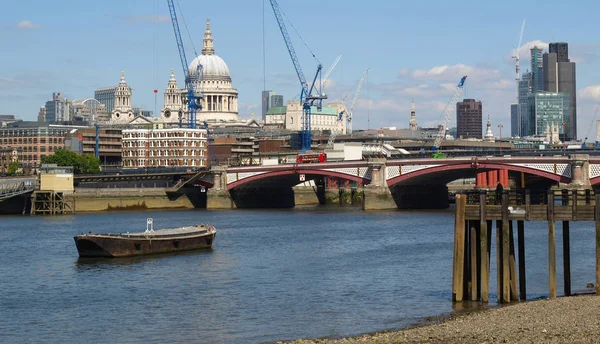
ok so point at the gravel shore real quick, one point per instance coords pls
(564, 320)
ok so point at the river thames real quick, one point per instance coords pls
(272, 275)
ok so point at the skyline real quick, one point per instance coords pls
(418, 57)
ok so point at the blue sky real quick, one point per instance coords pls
(414, 50)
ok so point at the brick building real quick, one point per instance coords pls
(35, 140)
(175, 147)
(469, 119)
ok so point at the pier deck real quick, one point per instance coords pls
(475, 215)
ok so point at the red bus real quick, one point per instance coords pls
(311, 158)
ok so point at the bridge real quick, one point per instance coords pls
(14, 194)
(379, 183)
(403, 182)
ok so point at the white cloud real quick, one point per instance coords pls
(451, 73)
(590, 92)
(27, 25)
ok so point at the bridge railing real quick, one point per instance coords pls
(11, 189)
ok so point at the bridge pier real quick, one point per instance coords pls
(377, 195)
(218, 196)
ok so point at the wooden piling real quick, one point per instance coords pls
(499, 260)
(597, 218)
(485, 251)
(459, 249)
(473, 261)
(551, 246)
(566, 258)
(505, 249)
(521, 243)
(514, 295)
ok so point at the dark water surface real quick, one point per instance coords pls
(272, 275)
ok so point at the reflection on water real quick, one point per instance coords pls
(271, 275)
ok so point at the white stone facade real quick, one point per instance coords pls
(123, 111)
(174, 147)
(325, 119)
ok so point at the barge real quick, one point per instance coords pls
(147, 242)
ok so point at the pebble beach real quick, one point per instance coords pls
(562, 320)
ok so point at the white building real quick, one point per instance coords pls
(290, 117)
(174, 147)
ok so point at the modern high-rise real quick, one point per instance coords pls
(526, 126)
(58, 109)
(537, 70)
(560, 76)
(550, 109)
(469, 119)
(514, 120)
(269, 100)
(106, 96)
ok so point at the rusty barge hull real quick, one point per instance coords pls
(127, 245)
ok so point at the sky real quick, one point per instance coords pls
(414, 50)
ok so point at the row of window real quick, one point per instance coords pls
(133, 153)
(29, 140)
(164, 144)
(163, 162)
(162, 135)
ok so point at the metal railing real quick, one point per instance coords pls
(8, 190)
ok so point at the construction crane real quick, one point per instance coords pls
(194, 98)
(515, 56)
(447, 110)
(329, 71)
(309, 97)
(334, 133)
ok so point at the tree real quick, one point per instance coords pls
(82, 163)
(12, 168)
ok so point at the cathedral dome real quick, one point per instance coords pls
(212, 66)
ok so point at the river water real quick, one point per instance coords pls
(272, 275)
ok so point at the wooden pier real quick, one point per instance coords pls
(475, 216)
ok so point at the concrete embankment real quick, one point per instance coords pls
(562, 320)
(87, 200)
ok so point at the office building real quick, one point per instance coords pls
(83, 141)
(58, 109)
(34, 140)
(550, 110)
(537, 70)
(469, 119)
(269, 100)
(526, 127)
(514, 120)
(174, 147)
(106, 96)
(560, 76)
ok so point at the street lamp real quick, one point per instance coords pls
(500, 126)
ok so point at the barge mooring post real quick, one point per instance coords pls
(551, 246)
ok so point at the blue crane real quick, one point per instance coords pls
(309, 97)
(194, 98)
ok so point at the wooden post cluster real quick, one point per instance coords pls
(473, 239)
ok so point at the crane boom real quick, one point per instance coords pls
(290, 47)
(308, 96)
(178, 39)
(448, 109)
(334, 133)
(194, 99)
(330, 70)
(349, 118)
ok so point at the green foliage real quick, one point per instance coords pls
(82, 163)
(12, 168)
